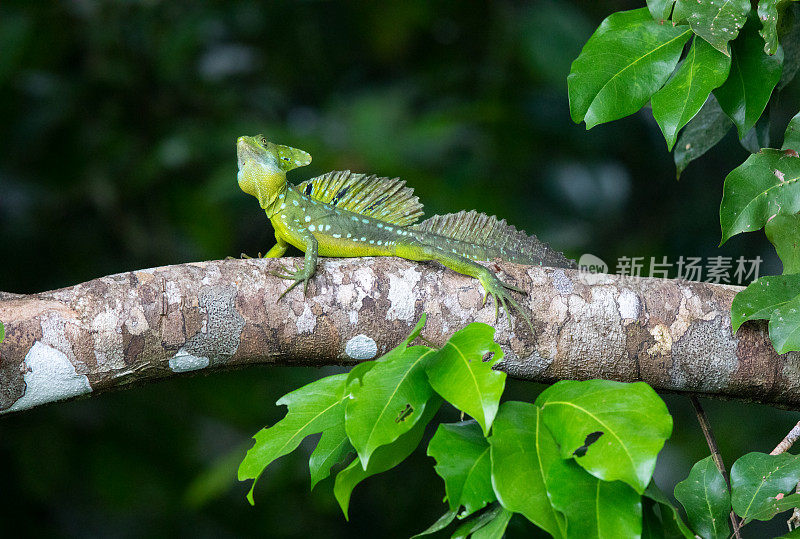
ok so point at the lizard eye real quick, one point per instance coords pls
(263, 141)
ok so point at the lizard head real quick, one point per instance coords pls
(263, 167)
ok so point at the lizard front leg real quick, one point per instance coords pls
(303, 274)
(277, 250)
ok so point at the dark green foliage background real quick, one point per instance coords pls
(118, 122)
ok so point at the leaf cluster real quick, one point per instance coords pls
(759, 490)
(578, 462)
(703, 65)
(706, 66)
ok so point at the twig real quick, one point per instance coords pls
(787, 441)
(705, 426)
(783, 447)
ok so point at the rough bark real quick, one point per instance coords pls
(154, 323)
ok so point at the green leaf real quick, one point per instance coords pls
(494, 514)
(783, 231)
(768, 15)
(752, 77)
(389, 401)
(593, 508)
(459, 373)
(331, 449)
(701, 134)
(384, 458)
(313, 408)
(495, 528)
(522, 450)
(703, 69)
(660, 9)
(613, 429)
(628, 58)
(441, 523)
(776, 505)
(704, 495)
(652, 528)
(2, 332)
(791, 137)
(756, 480)
(673, 525)
(764, 185)
(784, 326)
(716, 21)
(790, 43)
(462, 460)
(759, 300)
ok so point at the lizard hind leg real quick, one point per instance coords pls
(499, 291)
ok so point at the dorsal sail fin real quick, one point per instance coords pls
(495, 236)
(387, 199)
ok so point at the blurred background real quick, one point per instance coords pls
(118, 123)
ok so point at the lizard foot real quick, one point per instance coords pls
(498, 290)
(298, 275)
(243, 256)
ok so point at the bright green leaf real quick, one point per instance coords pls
(791, 137)
(476, 524)
(384, 458)
(702, 133)
(628, 58)
(462, 460)
(759, 300)
(593, 508)
(461, 372)
(783, 231)
(522, 452)
(2, 332)
(784, 326)
(660, 9)
(313, 408)
(495, 528)
(441, 523)
(716, 21)
(331, 449)
(388, 402)
(703, 69)
(757, 479)
(704, 495)
(768, 15)
(613, 429)
(764, 185)
(673, 525)
(752, 77)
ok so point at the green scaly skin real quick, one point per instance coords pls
(323, 229)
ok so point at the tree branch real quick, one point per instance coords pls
(150, 324)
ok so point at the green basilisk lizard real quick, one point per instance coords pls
(344, 214)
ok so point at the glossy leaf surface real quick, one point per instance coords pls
(463, 461)
(764, 185)
(716, 21)
(703, 69)
(604, 87)
(704, 495)
(593, 508)
(461, 372)
(313, 408)
(522, 451)
(752, 77)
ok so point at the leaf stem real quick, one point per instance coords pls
(705, 426)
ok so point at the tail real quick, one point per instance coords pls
(493, 238)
